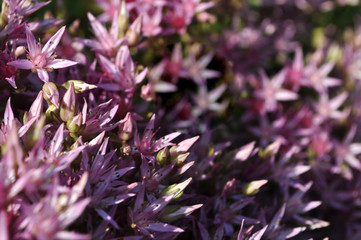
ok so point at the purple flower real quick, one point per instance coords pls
(122, 71)
(272, 90)
(24, 7)
(42, 60)
(107, 42)
(147, 146)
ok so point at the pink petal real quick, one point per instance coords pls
(122, 56)
(158, 204)
(32, 45)
(141, 76)
(298, 60)
(204, 6)
(355, 148)
(90, 43)
(36, 108)
(286, 95)
(60, 63)
(216, 93)
(258, 235)
(326, 68)
(114, 30)
(163, 227)
(11, 81)
(8, 115)
(57, 141)
(73, 212)
(177, 53)
(4, 231)
(43, 75)
(71, 236)
(276, 220)
(22, 64)
(109, 67)
(244, 152)
(53, 42)
(185, 145)
(107, 217)
(99, 30)
(279, 78)
(336, 102)
(109, 86)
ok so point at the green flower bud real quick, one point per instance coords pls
(51, 94)
(253, 187)
(180, 158)
(69, 104)
(174, 212)
(52, 114)
(79, 86)
(134, 32)
(176, 189)
(123, 18)
(163, 156)
(74, 125)
(33, 134)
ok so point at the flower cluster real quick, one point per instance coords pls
(180, 119)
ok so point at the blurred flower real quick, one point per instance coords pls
(272, 90)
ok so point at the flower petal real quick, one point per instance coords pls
(30, 39)
(163, 227)
(60, 63)
(53, 42)
(43, 75)
(22, 64)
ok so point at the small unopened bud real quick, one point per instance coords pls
(229, 187)
(126, 128)
(74, 125)
(180, 158)
(163, 156)
(69, 105)
(36, 108)
(147, 92)
(123, 17)
(34, 133)
(176, 189)
(174, 212)
(126, 150)
(79, 86)
(134, 32)
(52, 114)
(51, 94)
(253, 187)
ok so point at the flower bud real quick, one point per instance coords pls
(147, 93)
(126, 128)
(69, 105)
(176, 189)
(74, 125)
(174, 212)
(51, 94)
(79, 86)
(5, 10)
(125, 150)
(52, 114)
(134, 32)
(123, 17)
(34, 133)
(163, 156)
(36, 108)
(180, 158)
(253, 187)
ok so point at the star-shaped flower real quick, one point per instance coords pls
(42, 60)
